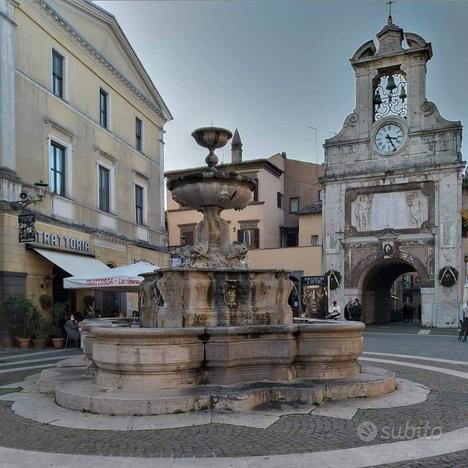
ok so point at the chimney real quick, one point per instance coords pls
(236, 148)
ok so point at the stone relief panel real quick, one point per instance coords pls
(399, 210)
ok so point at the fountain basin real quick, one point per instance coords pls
(139, 358)
(329, 350)
(212, 188)
(162, 371)
(147, 358)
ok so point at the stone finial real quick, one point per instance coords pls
(236, 148)
(390, 39)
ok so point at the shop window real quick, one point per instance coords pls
(138, 134)
(139, 204)
(294, 205)
(249, 237)
(57, 168)
(104, 189)
(103, 108)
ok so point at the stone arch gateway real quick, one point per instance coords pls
(376, 283)
(393, 184)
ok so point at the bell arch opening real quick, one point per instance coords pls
(390, 292)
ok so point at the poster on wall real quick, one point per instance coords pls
(26, 228)
(314, 296)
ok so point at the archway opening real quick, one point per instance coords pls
(390, 292)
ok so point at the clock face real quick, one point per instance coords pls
(389, 138)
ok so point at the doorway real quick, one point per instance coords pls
(387, 286)
(59, 293)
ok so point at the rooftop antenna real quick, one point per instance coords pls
(390, 19)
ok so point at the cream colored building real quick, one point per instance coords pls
(278, 226)
(78, 112)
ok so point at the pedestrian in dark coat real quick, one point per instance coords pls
(348, 309)
(357, 310)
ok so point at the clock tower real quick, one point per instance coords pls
(393, 187)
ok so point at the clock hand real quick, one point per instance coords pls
(389, 138)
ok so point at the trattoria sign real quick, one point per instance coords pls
(62, 242)
(113, 282)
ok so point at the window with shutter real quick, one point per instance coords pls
(294, 205)
(279, 199)
(57, 73)
(104, 189)
(103, 108)
(249, 237)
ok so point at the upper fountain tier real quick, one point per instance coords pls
(211, 191)
(210, 187)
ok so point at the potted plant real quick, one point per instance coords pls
(57, 340)
(59, 314)
(21, 314)
(42, 330)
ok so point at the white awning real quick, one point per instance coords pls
(76, 265)
(123, 278)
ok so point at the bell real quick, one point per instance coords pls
(377, 99)
(403, 94)
(390, 84)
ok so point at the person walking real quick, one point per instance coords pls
(348, 310)
(405, 313)
(357, 310)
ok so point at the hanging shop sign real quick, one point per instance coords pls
(26, 228)
(61, 241)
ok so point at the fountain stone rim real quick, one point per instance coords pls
(206, 176)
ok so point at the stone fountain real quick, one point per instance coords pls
(214, 287)
(216, 333)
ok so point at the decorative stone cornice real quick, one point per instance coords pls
(51, 124)
(96, 55)
(9, 174)
(7, 18)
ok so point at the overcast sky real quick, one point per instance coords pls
(273, 67)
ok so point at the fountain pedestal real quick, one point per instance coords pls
(183, 297)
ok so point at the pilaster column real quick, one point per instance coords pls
(10, 184)
(162, 189)
(364, 99)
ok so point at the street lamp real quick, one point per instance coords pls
(316, 142)
(28, 198)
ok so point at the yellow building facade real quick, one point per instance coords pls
(80, 114)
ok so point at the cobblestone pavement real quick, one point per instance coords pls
(451, 460)
(446, 408)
